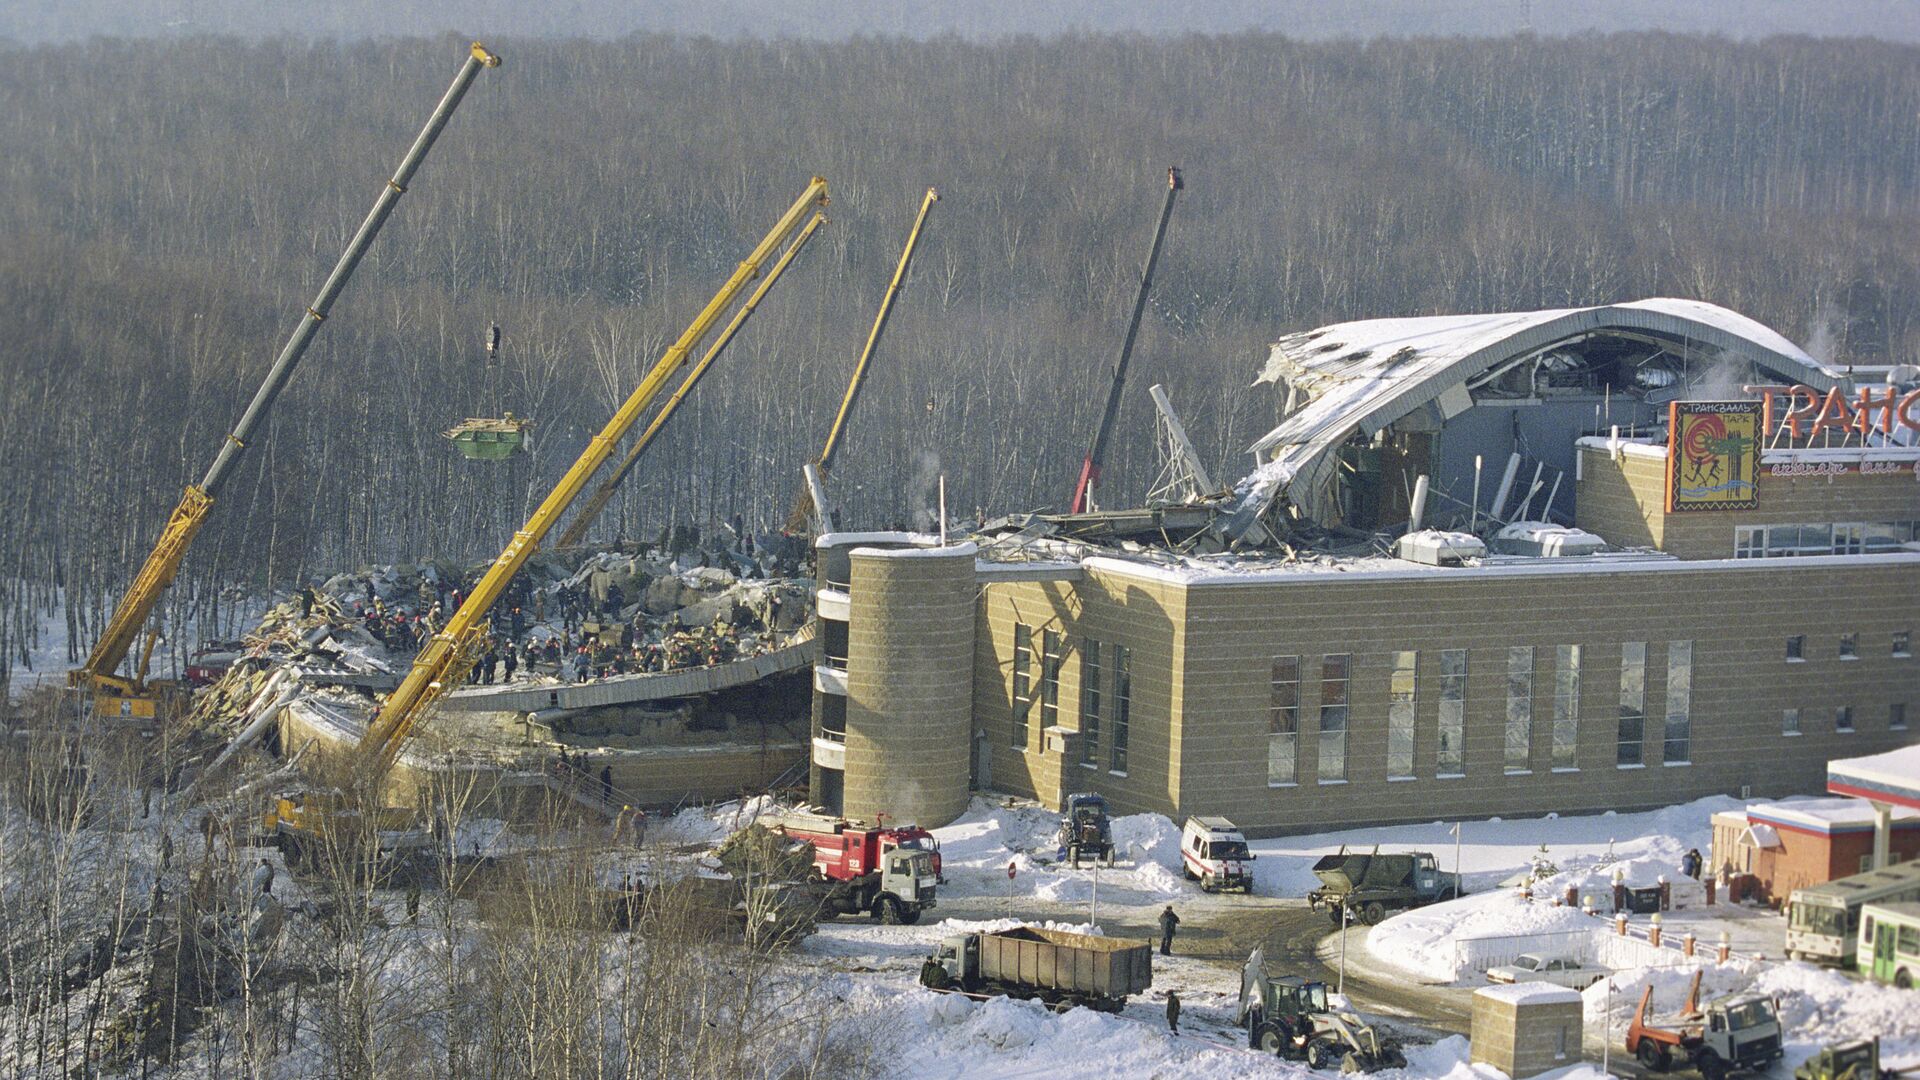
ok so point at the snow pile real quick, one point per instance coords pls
(976, 850)
(1816, 999)
(709, 825)
(1421, 941)
(945, 1037)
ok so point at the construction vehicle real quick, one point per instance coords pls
(1738, 1033)
(1289, 1016)
(444, 661)
(576, 531)
(1059, 968)
(1097, 447)
(1086, 829)
(845, 848)
(812, 510)
(1213, 852)
(1859, 1060)
(100, 686)
(1367, 888)
(890, 874)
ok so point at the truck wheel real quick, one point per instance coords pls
(1322, 1054)
(888, 911)
(1373, 913)
(1268, 1040)
(1650, 1056)
(1903, 979)
(1710, 1065)
(909, 916)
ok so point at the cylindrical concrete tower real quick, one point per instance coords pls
(910, 684)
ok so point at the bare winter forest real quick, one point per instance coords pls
(170, 209)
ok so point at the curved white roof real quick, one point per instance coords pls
(1362, 376)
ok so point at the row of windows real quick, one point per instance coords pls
(1848, 647)
(1843, 719)
(1841, 538)
(1097, 710)
(1336, 675)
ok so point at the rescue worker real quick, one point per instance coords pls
(606, 782)
(1173, 1006)
(1168, 920)
(512, 662)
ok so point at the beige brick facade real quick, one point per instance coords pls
(1201, 682)
(1625, 501)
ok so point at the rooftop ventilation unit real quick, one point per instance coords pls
(1435, 547)
(1542, 540)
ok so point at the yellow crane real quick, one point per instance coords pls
(98, 681)
(576, 530)
(445, 660)
(810, 501)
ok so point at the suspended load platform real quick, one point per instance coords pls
(489, 439)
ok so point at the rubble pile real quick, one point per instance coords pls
(569, 616)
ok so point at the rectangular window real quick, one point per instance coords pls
(1679, 736)
(1401, 687)
(1089, 702)
(1122, 705)
(1797, 647)
(1903, 643)
(1897, 716)
(1283, 721)
(1519, 707)
(1849, 646)
(1453, 713)
(1750, 542)
(1847, 538)
(1022, 682)
(1566, 707)
(1633, 704)
(1789, 721)
(1843, 718)
(1336, 671)
(1049, 681)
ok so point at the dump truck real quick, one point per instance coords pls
(1366, 888)
(1086, 829)
(1055, 966)
(1289, 1016)
(1739, 1033)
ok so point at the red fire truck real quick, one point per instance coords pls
(857, 857)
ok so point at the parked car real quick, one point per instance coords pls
(1541, 968)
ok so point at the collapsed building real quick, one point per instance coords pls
(642, 677)
(1518, 563)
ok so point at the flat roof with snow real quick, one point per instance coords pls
(1892, 777)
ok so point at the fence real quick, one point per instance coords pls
(1481, 953)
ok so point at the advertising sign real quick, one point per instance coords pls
(1713, 455)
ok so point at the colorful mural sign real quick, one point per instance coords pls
(1713, 455)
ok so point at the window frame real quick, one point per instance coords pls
(1633, 688)
(1336, 693)
(1122, 710)
(1566, 708)
(1403, 694)
(1452, 718)
(1022, 734)
(1090, 675)
(1283, 721)
(1517, 759)
(1679, 705)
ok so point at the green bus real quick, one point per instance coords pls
(1889, 946)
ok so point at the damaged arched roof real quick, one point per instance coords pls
(1362, 376)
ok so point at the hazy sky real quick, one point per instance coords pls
(38, 21)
